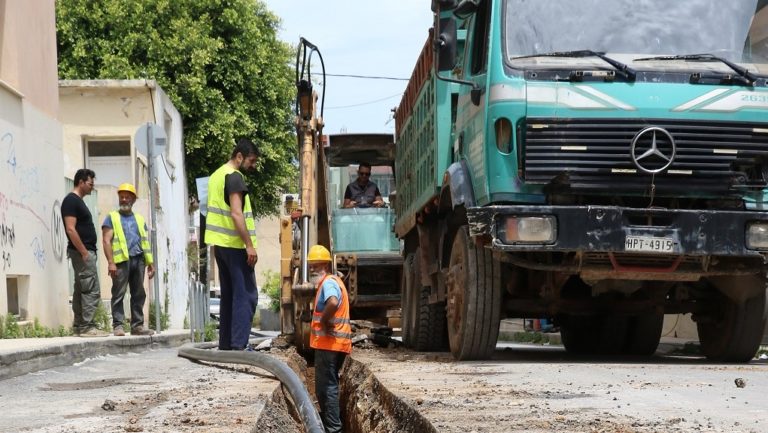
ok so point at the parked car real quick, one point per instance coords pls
(214, 305)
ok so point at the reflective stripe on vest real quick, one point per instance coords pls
(219, 224)
(120, 244)
(339, 339)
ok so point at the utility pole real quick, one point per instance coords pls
(149, 138)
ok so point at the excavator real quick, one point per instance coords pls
(365, 251)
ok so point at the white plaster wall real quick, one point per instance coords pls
(268, 236)
(172, 215)
(32, 239)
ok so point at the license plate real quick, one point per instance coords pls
(649, 244)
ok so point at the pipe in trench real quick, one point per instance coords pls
(307, 411)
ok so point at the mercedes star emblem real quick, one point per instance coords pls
(653, 150)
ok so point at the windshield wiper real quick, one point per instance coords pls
(747, 77)
(621, 68)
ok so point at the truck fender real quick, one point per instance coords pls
(457, 188)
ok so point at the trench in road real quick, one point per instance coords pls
(367, 406)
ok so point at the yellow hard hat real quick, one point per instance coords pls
(127, 187)
(318, 253)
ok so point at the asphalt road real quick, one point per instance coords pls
(522, 389)
(544, 389)
(151, 391)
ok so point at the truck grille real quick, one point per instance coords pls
(595, 154)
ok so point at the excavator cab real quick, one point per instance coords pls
(366, 251)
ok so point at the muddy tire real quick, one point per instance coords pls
(735, 333)
(474, 299)
(409, 301)
(431, 332)
(429, 329)
(643, 334)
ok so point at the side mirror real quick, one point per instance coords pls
(466, 8)
(445, 45)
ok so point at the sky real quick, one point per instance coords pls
(359, 37)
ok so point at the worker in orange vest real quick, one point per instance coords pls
(331, 335)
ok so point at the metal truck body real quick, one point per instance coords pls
(586, 162)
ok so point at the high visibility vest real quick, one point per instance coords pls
(340, 338)
(219, 224)
(120, 244)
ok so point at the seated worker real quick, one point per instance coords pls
(363, 192)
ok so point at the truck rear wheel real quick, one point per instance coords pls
(578, 334)
(429, 327)
(430, 332)
(603, 334)
(409, 301)
(735, 332)
(474, 299)
(643, 334)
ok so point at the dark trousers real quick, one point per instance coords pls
(238, 297)
(327, 366)
(87, 294)
(129, 274)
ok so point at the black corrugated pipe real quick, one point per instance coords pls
(307, 411)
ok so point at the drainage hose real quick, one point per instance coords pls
(307, 412)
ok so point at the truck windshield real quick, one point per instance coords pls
(630, 29)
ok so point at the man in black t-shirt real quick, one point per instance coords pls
(363, 192)
(81, 249)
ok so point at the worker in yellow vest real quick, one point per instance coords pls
(126, 246)
(231, 229)
(331, 335)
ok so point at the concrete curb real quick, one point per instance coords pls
(60, 353)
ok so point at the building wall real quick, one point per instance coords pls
(33, 265)
(28, 51)
(116, 109)
(173, 215)
(268, 235)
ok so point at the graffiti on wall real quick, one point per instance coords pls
(7, 243)
(22, 189)
(58, 237)
(38, 252)
(10, 159)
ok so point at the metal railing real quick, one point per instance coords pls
(199, 298)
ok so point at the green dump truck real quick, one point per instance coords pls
(598, 163)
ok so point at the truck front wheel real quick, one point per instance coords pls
(474, 299)
(734, 333)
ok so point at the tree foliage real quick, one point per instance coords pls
(219, 61)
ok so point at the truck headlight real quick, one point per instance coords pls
(528, 230)
(757, 235)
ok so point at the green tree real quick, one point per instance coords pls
(219, 61)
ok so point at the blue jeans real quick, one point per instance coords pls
(327, 366)
(239, 296)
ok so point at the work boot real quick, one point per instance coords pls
(119, 332)
(93, 332)
(139, 330)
